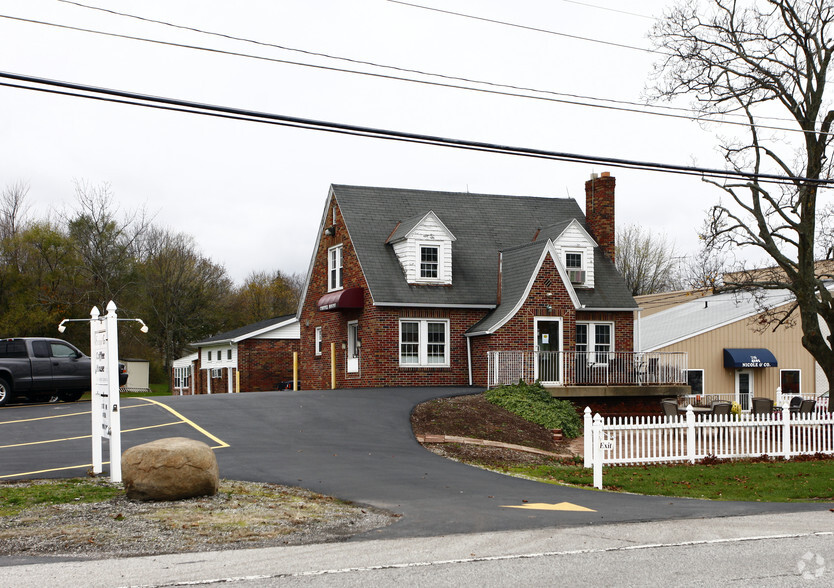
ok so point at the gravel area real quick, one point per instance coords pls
(242, 515)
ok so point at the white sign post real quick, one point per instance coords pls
(104, 379)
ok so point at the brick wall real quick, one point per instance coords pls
(263, 363)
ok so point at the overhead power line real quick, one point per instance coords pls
(177, 105)
(546, 98)
(567, 98)
(529, 28)
(609, 9)
(365, 62)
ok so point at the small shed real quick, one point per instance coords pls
(138, 375)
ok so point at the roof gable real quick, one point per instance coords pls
(408, 228)
(249, 331)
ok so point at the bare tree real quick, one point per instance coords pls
(106, 243)
(13, 218)
(647, 262)
(185, 296)
(267, 295)
(764, 63)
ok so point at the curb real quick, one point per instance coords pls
(488, 443)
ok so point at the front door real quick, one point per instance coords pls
(353, 347)
(744, 388)
(548, 333)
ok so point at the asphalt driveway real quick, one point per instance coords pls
(353, 444)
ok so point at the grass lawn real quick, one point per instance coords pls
(156, 390)
(768, 481)
(14, 499)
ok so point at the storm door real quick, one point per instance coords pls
(353, 347)
(744, 388)
(548, 345)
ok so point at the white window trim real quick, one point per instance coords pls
(581, 255)
(439, 245)
(331, 266)
(592, 339)
(422, 343)
(318, 341)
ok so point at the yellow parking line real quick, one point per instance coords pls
(220, 443)
(55, 416)
(47, 441)
(60, 416)
(89, 436)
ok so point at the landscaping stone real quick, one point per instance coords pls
(170, 469)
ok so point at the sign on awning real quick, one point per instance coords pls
(749, 358)
(347, 298)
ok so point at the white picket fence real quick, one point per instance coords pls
(690, 437)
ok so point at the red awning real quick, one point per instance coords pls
(348, 298)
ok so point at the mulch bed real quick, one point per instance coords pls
(474, 416)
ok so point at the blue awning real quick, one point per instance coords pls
(749, 358)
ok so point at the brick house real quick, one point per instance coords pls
(418, 288)
(252, 358)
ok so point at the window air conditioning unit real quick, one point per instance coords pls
(576, 276)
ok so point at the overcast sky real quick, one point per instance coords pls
(252, 194)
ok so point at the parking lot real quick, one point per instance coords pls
(353, 444)
(54, 440)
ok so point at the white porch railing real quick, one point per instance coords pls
(579, 368)
(658, 439)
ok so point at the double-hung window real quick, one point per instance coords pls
(424, 343)
(334, 268)
(429, 262)
(573, 261)
(594, 341)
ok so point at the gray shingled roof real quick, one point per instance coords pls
(483, 224)
(518, 265)
(243, 331)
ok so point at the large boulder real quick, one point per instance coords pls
(170, 469)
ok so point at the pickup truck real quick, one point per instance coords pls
(44, 369)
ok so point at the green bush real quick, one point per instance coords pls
(534, 403)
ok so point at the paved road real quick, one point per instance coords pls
(354, 444)
(764, 550)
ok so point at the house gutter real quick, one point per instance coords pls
(432, 305)
(607, 309)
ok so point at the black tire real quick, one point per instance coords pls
(70, 396)
(5, 392)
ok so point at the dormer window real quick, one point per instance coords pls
(429, 262)
(574, 264)
(423, 245)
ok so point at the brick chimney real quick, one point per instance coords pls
(599, 211)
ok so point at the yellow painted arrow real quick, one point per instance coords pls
(545, 506)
